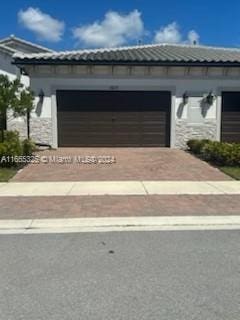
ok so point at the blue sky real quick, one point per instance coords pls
(68, 24)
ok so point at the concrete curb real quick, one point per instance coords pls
(101, 188)
(119, 224)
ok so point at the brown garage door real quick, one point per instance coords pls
(113, 118)
(231, 116)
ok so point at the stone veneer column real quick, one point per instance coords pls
(40, 129)
(186, 131)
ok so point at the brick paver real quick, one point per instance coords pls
(117, 206)
(131, 164)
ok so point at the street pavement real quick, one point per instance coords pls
(121, 275)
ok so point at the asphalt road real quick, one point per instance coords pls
(178, 275)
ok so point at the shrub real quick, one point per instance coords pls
(28, 147)
(222, 154)
(10, 148)
(235, 155)
(219, 153)
(196, 145)
(13, 147)
(10, 136)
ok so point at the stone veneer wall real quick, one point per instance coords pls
(185, 131)
(40, 129)
(19, 125)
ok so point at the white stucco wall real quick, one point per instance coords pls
(197, 83)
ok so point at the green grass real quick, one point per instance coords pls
(7, 173)
(233, 172)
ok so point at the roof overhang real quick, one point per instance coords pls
(22, 62)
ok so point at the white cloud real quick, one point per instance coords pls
(168, 34)
(193, 37)
(171, 34)
(42, 24)
(114, 30)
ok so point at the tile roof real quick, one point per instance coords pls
(158, 54)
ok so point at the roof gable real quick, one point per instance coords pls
(6, 50)
(23, 46)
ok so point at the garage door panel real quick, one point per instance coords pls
(79, 122)
(231, 127)
(159, 125)
(231, 138)
(121, 129)
(229, 123)
(81, 131)
(121, 118)
(82, 139)
(153, 115)
(230, 130)
(231, 115)
(85, 116)
(153, 140)
(154, 128)
(79, 118)
(74, 130)
(125, 114)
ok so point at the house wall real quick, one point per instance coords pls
(6, 67)
(194, 119)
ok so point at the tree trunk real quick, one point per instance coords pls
(3, 125)
(28, 125)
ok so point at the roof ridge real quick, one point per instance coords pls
(201, 46)
(108, 49)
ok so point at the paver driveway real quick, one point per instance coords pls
(131, 164)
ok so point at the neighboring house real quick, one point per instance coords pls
(11, 45)
(8, 47)
(153, 95)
